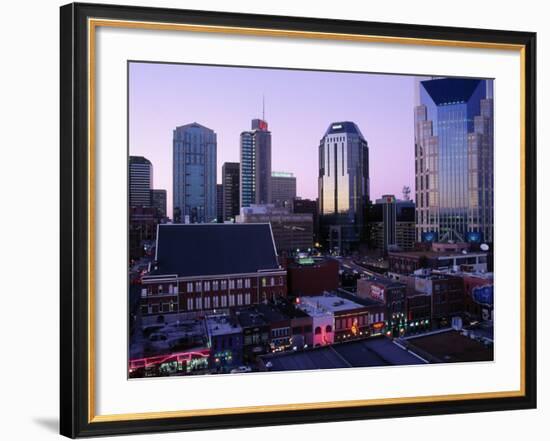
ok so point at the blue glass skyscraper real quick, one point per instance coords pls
(454, 158)
(194, 166)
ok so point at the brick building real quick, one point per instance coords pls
(202, 267)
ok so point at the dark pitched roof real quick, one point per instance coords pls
(450, 90)
(211, 249)
(343, 127)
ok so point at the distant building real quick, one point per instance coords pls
(311, 276)
(158, 201)
(343, 185)
(291, 232)
(141, 181)
(143, 223)
(219, 203)
(256, 333)
(454, 158)
(311, 206)
(255, 161)
(231, 184)
(283, 189)
(202, 267)
(391, 224)
(194, 174)
(407, 262)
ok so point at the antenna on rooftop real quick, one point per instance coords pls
(263, 107)
(406, 193)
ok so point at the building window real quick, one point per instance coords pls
(247, 299)
(239, 299)
(198, 286)
(224, 301)
(215, 285)
(189, 286)
(247, 283)
(189, 304)
(318, 330)
(143, 292)
(207, 286)
(231, 284)
(328, 329)
(224, 284)
(231, 299)
(198, 303)
(207, 302)
(239, 283)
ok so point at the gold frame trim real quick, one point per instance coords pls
(92, 25)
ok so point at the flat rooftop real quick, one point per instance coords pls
(379, 351)
(435, 254)
(330, 303)
(449, 347)
(221, 325)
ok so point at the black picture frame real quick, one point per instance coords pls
(75, 416)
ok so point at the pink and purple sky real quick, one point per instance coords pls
(299, 106)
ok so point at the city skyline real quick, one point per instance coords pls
(229, 98)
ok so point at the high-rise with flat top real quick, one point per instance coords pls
(141, 181)
(454, 159)
(255, 153)
(194, 185)
(283, 189)
(343, 185)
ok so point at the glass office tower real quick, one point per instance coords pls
(343, 185)
(194, 166)
(255, 155)
(454, 159)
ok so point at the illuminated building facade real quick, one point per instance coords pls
(454, 158)
(343, 185)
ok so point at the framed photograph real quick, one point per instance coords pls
(276, 220)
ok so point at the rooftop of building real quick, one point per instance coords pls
(384, 281)
(221, 324)
(379, 351)
(188, 250)
(329, 303)
(343, 127)
(365, 301)
(450, 90)
(139, 160)
(450, 346)
(249, 317)
(435, 254)
(272, 313)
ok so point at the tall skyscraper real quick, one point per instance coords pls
(256, 165)
(454, 159)
(231, 185)
(158, 201)
(343, 185)
(141, 181)
(283, 188)
(194, 177)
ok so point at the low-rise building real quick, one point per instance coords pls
(225, 338)
(203, 267)
(309, 276)
(349, 319)
(407, 262)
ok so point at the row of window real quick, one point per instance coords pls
(214, 302)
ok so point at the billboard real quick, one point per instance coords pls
(474, 237)
(429, 236)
